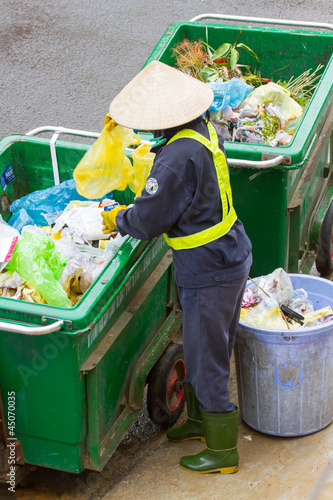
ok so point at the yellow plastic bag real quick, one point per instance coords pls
(142, 162)
(267, 314)
(105, 167)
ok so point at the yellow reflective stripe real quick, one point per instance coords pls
(205, 236)
(224, 166)
(217, 153)
(213, 134)
(220, 163)
(221, 167)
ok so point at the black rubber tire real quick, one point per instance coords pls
(324, 261)
(160, 380)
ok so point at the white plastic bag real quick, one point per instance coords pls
(277, 285)
(84, 222)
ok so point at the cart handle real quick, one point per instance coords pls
(34, 330)
(262, 20)
(56, 132)
(273, 162)
(61, 130)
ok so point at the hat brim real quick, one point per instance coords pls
(160, 97)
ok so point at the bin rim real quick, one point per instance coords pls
(290, 333)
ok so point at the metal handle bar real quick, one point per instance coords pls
(273, 162)
(61, 130)
(56, 132)
(33, 330)
(262, 20)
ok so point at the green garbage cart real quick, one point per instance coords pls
(78, 375)
(72, 380)
(282, 194)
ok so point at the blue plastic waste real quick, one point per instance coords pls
(50, 202)
(230, 93)
(21, 219)
(285, 377)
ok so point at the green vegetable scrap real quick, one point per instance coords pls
(201, 61)
(271, 126)
(302, 87)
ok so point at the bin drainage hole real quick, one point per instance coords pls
(288, 376)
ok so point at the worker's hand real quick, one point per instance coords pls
(109, 218)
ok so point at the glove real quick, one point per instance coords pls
(109, 218)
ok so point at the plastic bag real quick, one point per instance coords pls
(267, 314)
(230, 93)
(14, 287)
(10, 280)
(40, 265)
(280, 99)
(249, 298)
(299, 302)
(105, 167)
(85, 263)
(85, 223)
(277, 285)
(44, 206)
(6, 230)
(317, 317)
(21, 219)
(142, 162)
(281, 139)
(98, 261)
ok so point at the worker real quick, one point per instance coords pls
(188, 199)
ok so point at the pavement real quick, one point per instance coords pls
(271, 467)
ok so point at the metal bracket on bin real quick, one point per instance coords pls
(65, 322)
(286, 160)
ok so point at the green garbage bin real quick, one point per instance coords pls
(78, 374)
(282, 206)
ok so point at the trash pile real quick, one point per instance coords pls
(61, 249)
(247, 108)
(53, 247)
(267, 116)
(271, 302)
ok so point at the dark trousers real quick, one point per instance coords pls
(210, 321)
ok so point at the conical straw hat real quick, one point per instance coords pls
(160, 97)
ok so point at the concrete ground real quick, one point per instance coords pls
(271, 468)
(145, 466)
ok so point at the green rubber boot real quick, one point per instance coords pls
(193, 427)
(221, 455)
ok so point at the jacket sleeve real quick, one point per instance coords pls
(158, 208)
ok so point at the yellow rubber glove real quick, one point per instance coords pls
(109, 218)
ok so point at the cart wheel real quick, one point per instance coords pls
(165, 398)
(324, 259)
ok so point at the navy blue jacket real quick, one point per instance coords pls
(181, 198)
